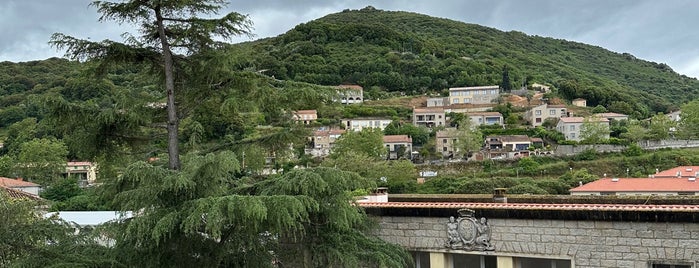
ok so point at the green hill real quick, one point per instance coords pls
(414, 53)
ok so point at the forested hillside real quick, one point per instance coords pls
(414, 53)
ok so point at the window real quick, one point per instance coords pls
(572, 135)
(456, 100)
(572, 127)
(475, 261)
(444, 149)
(537, 112)
(667, 265)
(444, 141)
(422, 259)
(540, 263)
(552, 112)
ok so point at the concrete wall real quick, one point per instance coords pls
(646, 145)
(585, 243)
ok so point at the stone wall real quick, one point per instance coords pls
(605, 148)
(585, 243)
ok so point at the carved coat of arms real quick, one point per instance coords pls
(468, 233)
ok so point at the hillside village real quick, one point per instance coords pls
(365, 138)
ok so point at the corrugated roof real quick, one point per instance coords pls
(528, 206)
(639, 185)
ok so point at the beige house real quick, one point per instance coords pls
(473, 95)
(537, 115)
(322, 142)
(437, 102)
(304, 116)
(580, 102)
(446, 142)
(510, 146)
(357, 124)
(86, 172)
(613, 116)
(429, 117)
(570, 126)
(398, 146)
(350, 94)
(486, 118)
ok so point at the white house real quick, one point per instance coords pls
(570, 126)
(473, 95)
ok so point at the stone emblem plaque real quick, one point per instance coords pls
(468, 233)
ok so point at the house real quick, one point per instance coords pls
(446, 142)
(639, 186)
(398, 146)
(675, 116)
(20, 185)
(474, 95)
(580, 102)
(304, 116)
(429, 117)
(541, 88)
(613, 116)
(570, 126)
(350, 94)
(510, 146)
(18, 194)
(486, 118)
(322, 141)
(537, 115)
(85, 172)
(684, 172)
(357, 124)
(437, 102)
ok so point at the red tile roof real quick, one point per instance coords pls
(305, 112)
(639, 185)
(528, 206)
(70, 164)
(397, 139)
(608, 115)
(684, 171)
(14, 193)
(14, 183)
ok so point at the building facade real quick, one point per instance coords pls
(571, 126)
(474, 95)
(322, 142)
(446, 142)
(357, 124)
(541, 235)
(398, 146)
(304, 116)
(429, 117)
(537, 115)
(486, 118)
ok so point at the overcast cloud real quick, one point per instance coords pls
(660, 31)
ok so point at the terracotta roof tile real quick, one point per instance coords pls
(397, 139)
(582, 119)
(684, 172)
(12, 183)
(14, 193)
(639, 185)
(527, 206)
(429, 110)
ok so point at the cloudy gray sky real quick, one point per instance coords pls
(665, 31)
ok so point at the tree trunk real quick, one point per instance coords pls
(173, 149)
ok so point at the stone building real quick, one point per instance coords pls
(474, 95)
(539, 233)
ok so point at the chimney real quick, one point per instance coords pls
(499, 195)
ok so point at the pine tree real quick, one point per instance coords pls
(166, 27)
(505, 85)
